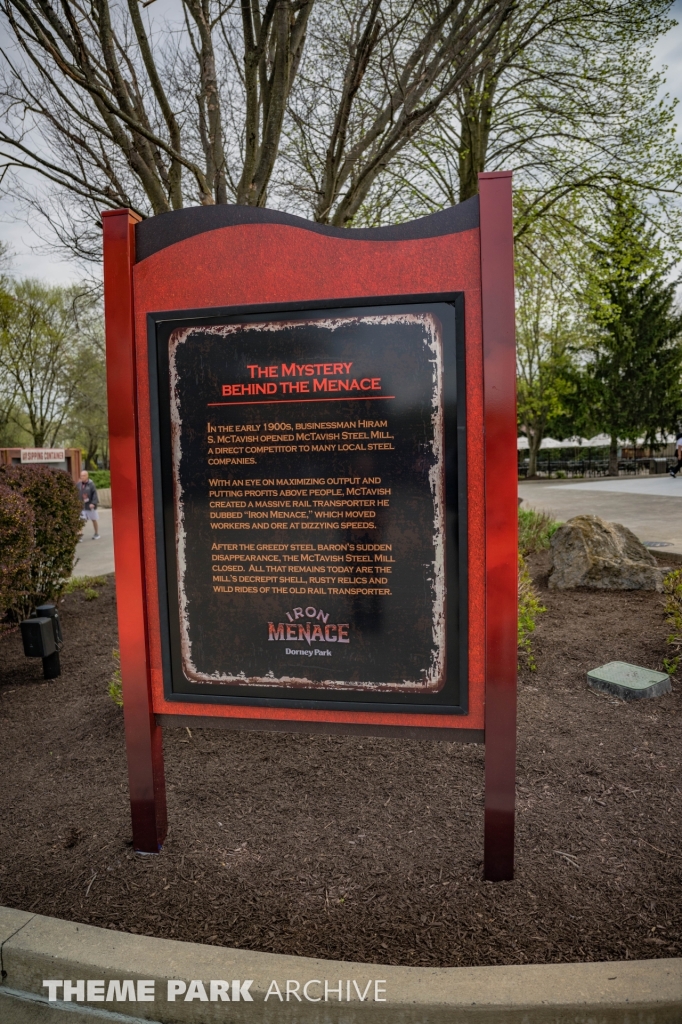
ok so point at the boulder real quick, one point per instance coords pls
(589, 552)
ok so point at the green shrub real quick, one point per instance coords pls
(529, 609)
(17, 545)
(535, 530)
(100, 477)
(115, 688)
(672, 587)
(56, 505)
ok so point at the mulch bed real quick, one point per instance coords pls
(360, 849)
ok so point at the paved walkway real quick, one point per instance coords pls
(96, 557)
(650, 506)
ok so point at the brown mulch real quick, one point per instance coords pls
(360, 849)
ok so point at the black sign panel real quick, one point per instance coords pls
(312, 480)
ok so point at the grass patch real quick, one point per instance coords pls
(672, 587)
(529, 609)
(115, 687)
(535, 531)
(86, 585)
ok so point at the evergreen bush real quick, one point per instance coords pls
(55, 506)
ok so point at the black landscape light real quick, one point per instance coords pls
(42, 637)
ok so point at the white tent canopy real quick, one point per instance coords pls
(549, 442)
(598, 441)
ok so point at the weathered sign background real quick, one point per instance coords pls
(308, 489)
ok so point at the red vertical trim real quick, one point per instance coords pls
(501, 486)
(143, 736)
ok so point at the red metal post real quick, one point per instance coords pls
(143, 736)
(501, 487)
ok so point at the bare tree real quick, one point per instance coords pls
(347, 111)
(8, 413)
(273, 46)
(117, 106)
(391, 69)
(116, 110)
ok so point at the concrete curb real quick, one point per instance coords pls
(35, 948)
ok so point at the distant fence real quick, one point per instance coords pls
(549, 465)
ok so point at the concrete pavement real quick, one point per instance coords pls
(36, 949)
(649, 506)
(96, 557)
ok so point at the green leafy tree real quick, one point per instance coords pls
(86, 423)
(569, 100)
(36, 356)
(52, 366)
(548, 334)
(9, 431)
(632, 381)
(9, 411)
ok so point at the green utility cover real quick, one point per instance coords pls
(630, 682)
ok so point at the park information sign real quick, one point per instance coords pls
(303, 457)
(314, 481)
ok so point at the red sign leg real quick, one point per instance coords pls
(501, 485)
(143, 736)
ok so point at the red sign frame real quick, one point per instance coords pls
(286, 260)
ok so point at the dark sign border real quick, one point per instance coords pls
(159, 328)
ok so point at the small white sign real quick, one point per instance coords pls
(43, 455)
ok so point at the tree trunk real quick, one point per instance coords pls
(476, 117)
(37, 429)
(613, 457)
(533, 449)
(91, 455)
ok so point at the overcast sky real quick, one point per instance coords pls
(29, 262)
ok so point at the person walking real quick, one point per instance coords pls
(678, 455)
(88, 493)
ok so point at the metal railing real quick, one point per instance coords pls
(549, 465)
